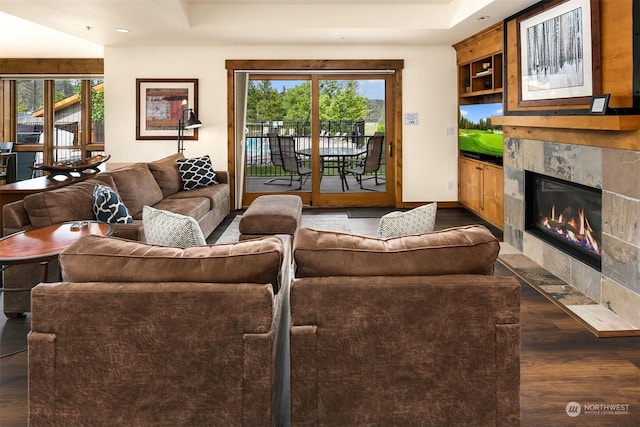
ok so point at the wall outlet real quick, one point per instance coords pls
(448, 131)
(450, 185)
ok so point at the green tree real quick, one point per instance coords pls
(296, 103)
(97, 104)
(30, 95)
(97, 99)
(339, 101)
(263, 101)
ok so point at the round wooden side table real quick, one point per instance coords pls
(44, 244)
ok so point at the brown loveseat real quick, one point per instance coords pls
(156, 184)
(407, 331)
(152, 335)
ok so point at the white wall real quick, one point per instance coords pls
(429, 88)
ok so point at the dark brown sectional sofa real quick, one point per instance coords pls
(156, 184)
(415, 330)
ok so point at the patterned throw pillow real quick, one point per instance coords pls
(196, 172)
(416, 221)
(108, 207)
(166, 228)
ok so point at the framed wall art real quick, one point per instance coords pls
(559, 54)
(160, 104)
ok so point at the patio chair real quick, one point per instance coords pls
(7, 163)
(370, 163)
(290, 161)
(276, 159)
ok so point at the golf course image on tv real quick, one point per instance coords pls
(476, 134)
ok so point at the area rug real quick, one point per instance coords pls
(333, 222)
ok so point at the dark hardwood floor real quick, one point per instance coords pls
(561, 362)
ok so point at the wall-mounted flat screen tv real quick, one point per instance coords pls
(477, 137)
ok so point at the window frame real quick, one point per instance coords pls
(47, 69)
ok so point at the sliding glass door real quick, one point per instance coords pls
(323, 136)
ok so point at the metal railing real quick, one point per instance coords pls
(332, 134)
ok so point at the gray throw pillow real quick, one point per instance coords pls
(416, 221)
(166, 228)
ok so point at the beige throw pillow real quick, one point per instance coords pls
(416, 221)
(166, 228)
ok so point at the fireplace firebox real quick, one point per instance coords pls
(566, 215)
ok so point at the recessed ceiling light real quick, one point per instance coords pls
(122, 30)
(483, 17)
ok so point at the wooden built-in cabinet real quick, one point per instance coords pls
(481, 77)
(480, 65)
(482, 189)
(480, 80)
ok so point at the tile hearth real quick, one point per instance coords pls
(597, 318)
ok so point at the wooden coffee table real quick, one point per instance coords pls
(44, 244)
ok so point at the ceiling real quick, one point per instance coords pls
(93, 23)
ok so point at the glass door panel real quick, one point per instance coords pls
(351, 113)
(334, 122)
(278, 113)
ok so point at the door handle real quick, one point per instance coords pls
(390, 149)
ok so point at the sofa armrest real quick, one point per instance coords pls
(14, 218)
(222, 177)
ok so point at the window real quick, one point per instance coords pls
(53, 118)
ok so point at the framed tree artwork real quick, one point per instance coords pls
(559, 54)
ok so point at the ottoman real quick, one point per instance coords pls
(269, 215)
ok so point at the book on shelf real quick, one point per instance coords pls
(482, 73)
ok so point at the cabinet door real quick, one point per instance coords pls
(470, 184)
(493, 194)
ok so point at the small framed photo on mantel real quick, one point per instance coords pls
(600, 104)
(160, 105)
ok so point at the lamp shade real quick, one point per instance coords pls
(192, 122)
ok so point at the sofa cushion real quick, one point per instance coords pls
(196, 172)
(70, 203)
(217, 195)
(166, 173)
(195, 207)
(166, 228)
(107, 206)
(415, 221)
(118, 260)
(461, 250)
(137, 187)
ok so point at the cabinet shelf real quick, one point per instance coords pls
(481, 93)
(481, 76)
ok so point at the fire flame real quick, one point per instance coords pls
(577, 230)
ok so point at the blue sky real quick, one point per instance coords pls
(371, 89)
(475, 112)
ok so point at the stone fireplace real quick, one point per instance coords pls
(566, 215)
(613, 173)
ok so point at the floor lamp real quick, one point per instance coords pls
(190, 123)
